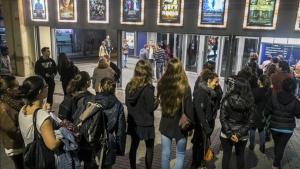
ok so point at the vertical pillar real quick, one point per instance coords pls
(20, 38)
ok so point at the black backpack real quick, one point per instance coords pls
(36, 154)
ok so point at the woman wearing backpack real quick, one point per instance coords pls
(34, 90)
(141, 103)
(261, 95)
(281, 110)
(10, 105)
(76, 90)
(116, 124)
(176, 103)
(236, 117)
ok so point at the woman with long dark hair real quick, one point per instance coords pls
(10, 105)
(281, 111)
(141, 103)
(176, 98)
(66, 69)
(261, 95)
(33, 91)
(236, 116)
(205, 114)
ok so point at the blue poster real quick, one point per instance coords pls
(132, 10)
(213, 12)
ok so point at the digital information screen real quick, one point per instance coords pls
(213, 13)
(132, 12)
(170, 12)
(39, 10)
(98, 11)
(261, 14)
(67, 10)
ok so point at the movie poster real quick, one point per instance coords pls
(98, 11)
(132, 12)
(67, 10)
(261, 14)
(39, 10)
(213, 13)
(170, 12)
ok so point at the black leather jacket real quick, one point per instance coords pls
(236, 116)
(116, 126)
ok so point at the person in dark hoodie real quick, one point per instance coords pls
(46, 68)
(116, 124)
(261, 95)
(141, 104)
(236, 117)
(280, 113)
(205, 114)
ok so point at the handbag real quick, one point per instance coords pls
(208, 154)
(184, 121)
(37, 155)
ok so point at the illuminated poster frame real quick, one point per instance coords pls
(159, 22)
(46, 12)
(98, 21)
(67, 20)
(207, 25)
(297, 26)
(132, 22)
(275, 16)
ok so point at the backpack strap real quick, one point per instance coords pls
(36, 133)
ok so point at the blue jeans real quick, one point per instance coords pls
(166, 150)
(125, 57)
(298, 87)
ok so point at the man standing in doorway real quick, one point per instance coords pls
(159, 57)
(125, 51)
(5, 65)
(46, 68)
(108, 44)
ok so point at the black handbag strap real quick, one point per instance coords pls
(36, 133)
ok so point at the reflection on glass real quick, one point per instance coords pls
(225, 58)
(179, 41)
(251, 46)
(192, 53)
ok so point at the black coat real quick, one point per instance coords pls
(43, 67)
(117, 71)
(281, 111)
(169, 126)
(261, 96)
(236, 116)
(67, 73)
(205, 106)
(141, 105)
(116, 126)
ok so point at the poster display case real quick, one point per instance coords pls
(213, 13)
(39, 10)
(98, 11)
(261, 14)
(170, 12)
(67, 10)
(132, 12)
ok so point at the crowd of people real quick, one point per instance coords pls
(90, 130)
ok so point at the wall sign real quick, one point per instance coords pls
(261, 14)
(98, 11)
(297, 26)
(132, 12)
(170, 12)
(67, 10)
(39, 10)
(213, 13)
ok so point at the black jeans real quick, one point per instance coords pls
(280, 141)
(227, 145)
(51, 87)
(135, 141)
(198, 148)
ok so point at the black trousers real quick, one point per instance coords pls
(51, 87)
(227, 145)
(135, 141)
(64, 84)
(18, 161)
(280, 142)
(159, 70)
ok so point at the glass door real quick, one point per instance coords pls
(192, 53)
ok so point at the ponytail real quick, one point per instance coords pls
(78, 83)
(31, 88)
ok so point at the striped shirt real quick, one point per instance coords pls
(159, 56)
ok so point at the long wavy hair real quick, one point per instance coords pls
(172, 88)
(142, 76)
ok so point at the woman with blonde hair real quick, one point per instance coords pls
(141, 103)
(176, 102)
